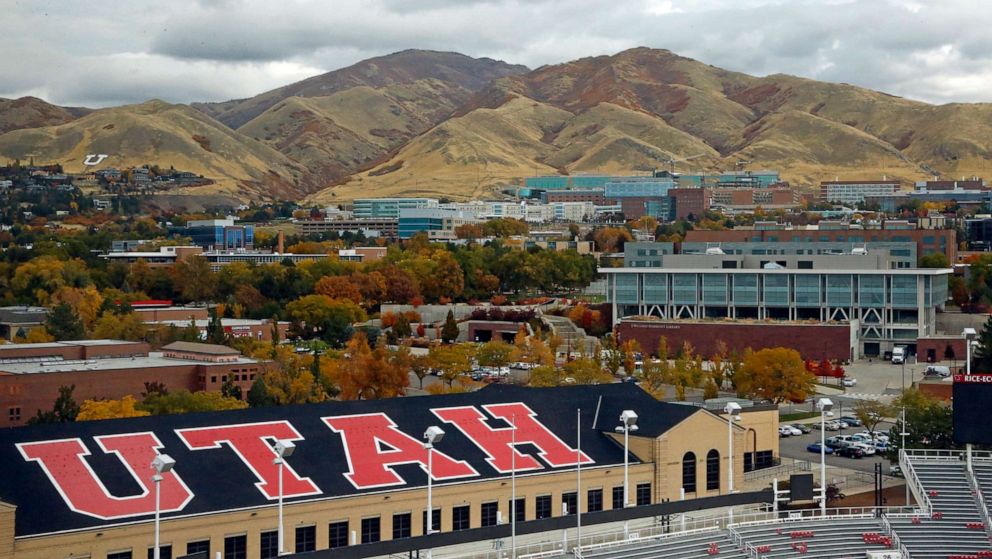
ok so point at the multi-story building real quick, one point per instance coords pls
(438, 223)
(689, 202)
(358, 473)
(164, 256)
(595, 195)
(927, 240)
(573, 211)
(389, 208)
(638, 187)
(31, 374)
(362, 254)
(890, 305)
(218, 234)
(387, 227)
(651, 254)
(220, 258)
(749, 199)
(850, 193)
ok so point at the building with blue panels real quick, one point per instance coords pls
(638, 187)
(554, 182)
(890, 306)
(218, 234)
(388, 208)
(438, 223)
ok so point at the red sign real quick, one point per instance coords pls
(973, 379)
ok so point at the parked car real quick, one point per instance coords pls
(878, 436)
(784, 431)
(867, 448)
(815, 447)
(938, 371)
(851, 451)
(829, 425)
(837, 442)
(846, 381)
(850, 421)
(881, 446)
(894, 470)
(802, 427)
(794, 431)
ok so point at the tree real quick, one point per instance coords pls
(421, 367)
(981, 356)
(586, 370)
(120, 327)
(529, 349)
(929, 423)
(185, 401)
(402, 327)
(194, 279)
(449, 332)
(64, 410)
(84, 301)
(325, 318)
(775, 374)
(110, 409)
(338, 287)
(934, 260)
(258, 395)
(452, 360)
(63, 323)
(871, 413)
(545, 375)
(612, 355)
(630, 349)
(215, 330)
(229, 389)
(495, 353)
(369, 374)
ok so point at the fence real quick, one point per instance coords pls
(779, 470)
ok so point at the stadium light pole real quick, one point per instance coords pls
(162, 464)
(969, 338)
(433, 435)
(733, 411)
(902, 448)
(513, 487)
(825, 405)
(578, 478)
(628, 423)
(284, 449)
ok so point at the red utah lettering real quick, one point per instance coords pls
(498, 443)
(373, 445)
(252, 442)
(66, 467)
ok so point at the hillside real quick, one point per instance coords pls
(635, 110)
(31, 112)
(156, 132)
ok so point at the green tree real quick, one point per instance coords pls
(495, 353)
(452, 360)
(185, 401)
(934, 260)
(981, 357)
(64, 410)
(229, 389)
(63, 323)
(402, 328)
(612, 355)
(449, 332)
(929, 423)
(215, 329)
(258, 395)
(871, 413)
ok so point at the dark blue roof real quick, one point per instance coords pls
(220, 481)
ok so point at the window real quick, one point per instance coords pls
(435, 520)
(617, 497)
(542, 506)
(119, 555)
(268, 545)
(213, 379)
(805, 265)
(460, 517)
(689, 472)
(370, 530)
(201, 546)
(489, 514)
(14, 414)
(712, 470)
(402, 525)
(306, 538)
(570, 502)
(236, 547)
(520, 514)
(643, 494)
(164, 552)
(594, 500)
(337, 534)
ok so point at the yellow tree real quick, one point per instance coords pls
(585, 370)
(367, 374)
(528, 349)
(110, 409)
(775, 374)
(85, 301)
(338, 287)
(127, 326)
(630, 349)
(452, 360)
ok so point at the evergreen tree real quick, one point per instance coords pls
(402, 327)
(981, 356)
(449, 332)
(275, 330)
(64, 410)
(258, 395)
(63, 323)
(215, 329)
(229, 389)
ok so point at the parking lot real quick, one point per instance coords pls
(795, 447)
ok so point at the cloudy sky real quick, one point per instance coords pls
(102, 52)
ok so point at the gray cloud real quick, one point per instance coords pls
(103, 53)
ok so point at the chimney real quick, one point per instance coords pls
(280, 242)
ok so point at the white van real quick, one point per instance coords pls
(898, 355)
(937, 371)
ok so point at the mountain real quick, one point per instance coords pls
(635, 110)
(31, 112)
(159, 133)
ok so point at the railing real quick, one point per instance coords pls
(896, 543)
(976, 488)
(948, 455)
(909, 473)
(781, 469)
(654, 538)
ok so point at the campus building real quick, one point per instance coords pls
(438, 223)
(850, 193)
(218, 234)
(372, 227)
(31, 374)
(890, 305)
(358, 473)
(389, 208)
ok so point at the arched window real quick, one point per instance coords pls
(689, 472)
(712, 470)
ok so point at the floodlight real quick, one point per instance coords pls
(434, 434)
(969, 333)
(825, 404)
(284, 448)
(628, 418)
(163, 463)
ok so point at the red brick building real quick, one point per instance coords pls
(816, 340)
(31, 374)
(689, 201)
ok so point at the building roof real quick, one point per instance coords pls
(138, 363)
(220, 481)
(22, 314)
(206, 349)
(886, 271)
